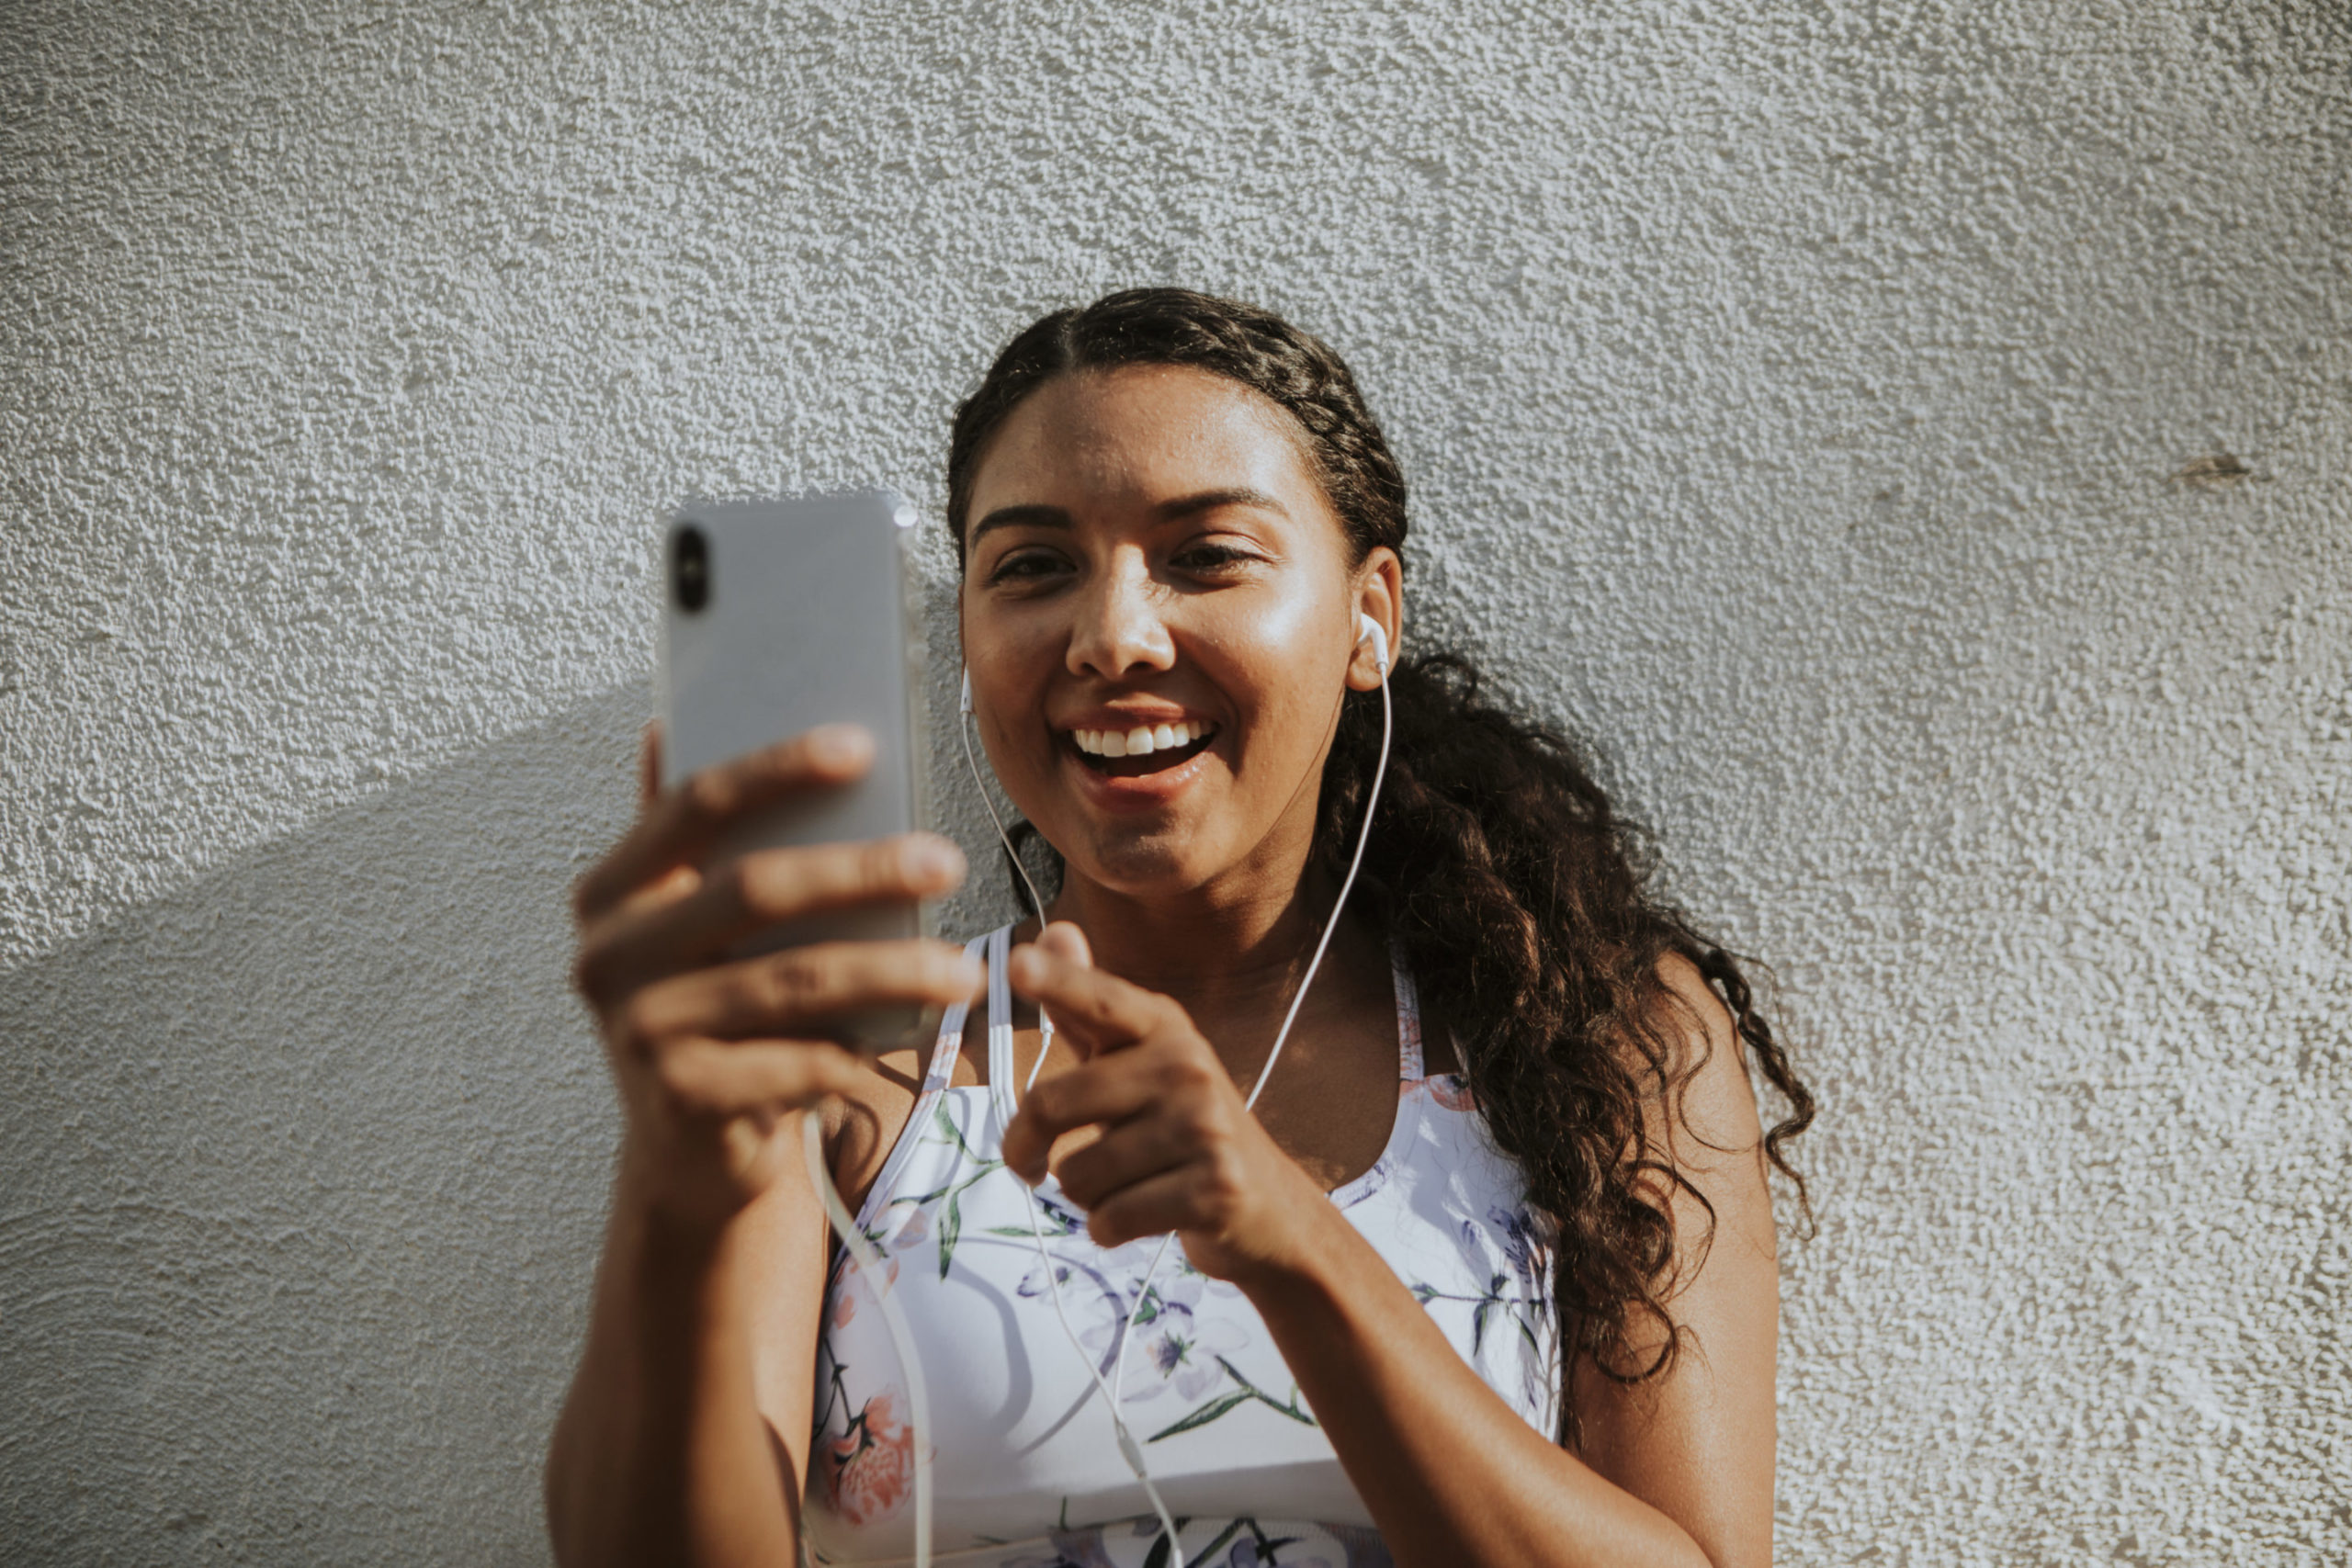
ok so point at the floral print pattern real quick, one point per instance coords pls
(1449, 1090)
(1203, 1386)
(1206, 1543)
(870, 1469)
(1176, 1340)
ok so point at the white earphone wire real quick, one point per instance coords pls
(973, 762)
(894, 1322)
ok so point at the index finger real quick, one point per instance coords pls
(1096, 1009)
(678, 825)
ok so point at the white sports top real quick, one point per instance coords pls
(1026, 1472)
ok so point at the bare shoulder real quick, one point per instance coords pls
(864, 1124)
(1709, 1111)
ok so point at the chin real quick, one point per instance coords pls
(1141, 864)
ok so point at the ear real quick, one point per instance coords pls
(1380, 594)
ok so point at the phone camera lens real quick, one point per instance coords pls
(690, 568)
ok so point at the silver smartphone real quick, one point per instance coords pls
(780, 616)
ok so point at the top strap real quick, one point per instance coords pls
(1001, 1065)
(950, 1047)
(1411, 1064)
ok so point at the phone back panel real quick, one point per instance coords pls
(806, 620)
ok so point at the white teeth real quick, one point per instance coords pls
(1140, 741)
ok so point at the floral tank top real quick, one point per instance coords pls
(1025, 1468)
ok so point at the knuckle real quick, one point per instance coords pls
(636, 1023)
(1184, 1077)
(790, 978)
(683, 1077)
(708, 797)
(738, 886)
(1220, 1193)
(1193, 1122)
(881, 866)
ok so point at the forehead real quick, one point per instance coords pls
(1139, 435)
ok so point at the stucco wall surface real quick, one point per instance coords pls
(1820, 406)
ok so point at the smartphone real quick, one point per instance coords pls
(780, 616)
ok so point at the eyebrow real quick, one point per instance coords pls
(1210, 499)
(1041, 516)
(1021, 517)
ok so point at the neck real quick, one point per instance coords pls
(1232, 957)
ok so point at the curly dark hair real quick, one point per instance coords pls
(1522, 899)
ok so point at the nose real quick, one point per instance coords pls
(1119, 631)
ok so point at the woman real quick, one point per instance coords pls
(1489, 1275)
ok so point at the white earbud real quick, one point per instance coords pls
(965, 705)
(1368, 628)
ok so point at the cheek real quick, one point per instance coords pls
(1281, 668)
(1006, 653)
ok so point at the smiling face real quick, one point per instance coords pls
(1158, 614)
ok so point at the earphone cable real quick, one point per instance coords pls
(964, 730)
(894, 1322)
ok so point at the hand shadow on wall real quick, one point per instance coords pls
(305, 1167)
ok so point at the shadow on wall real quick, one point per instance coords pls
(305, 1167)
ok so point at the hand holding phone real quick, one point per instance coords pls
(767, 904)
(708, 1049)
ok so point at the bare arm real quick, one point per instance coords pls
(677, 1444)
(1675, 1472)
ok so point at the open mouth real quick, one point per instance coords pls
(1146, 749)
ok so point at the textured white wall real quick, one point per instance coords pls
(1794, 394)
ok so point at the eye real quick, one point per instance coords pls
(1029, 563)
(1210, 557)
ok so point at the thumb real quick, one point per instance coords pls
(1064, 940)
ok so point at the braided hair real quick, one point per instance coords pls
(1522, 899)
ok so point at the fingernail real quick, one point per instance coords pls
(839, 744)
(934, 860)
